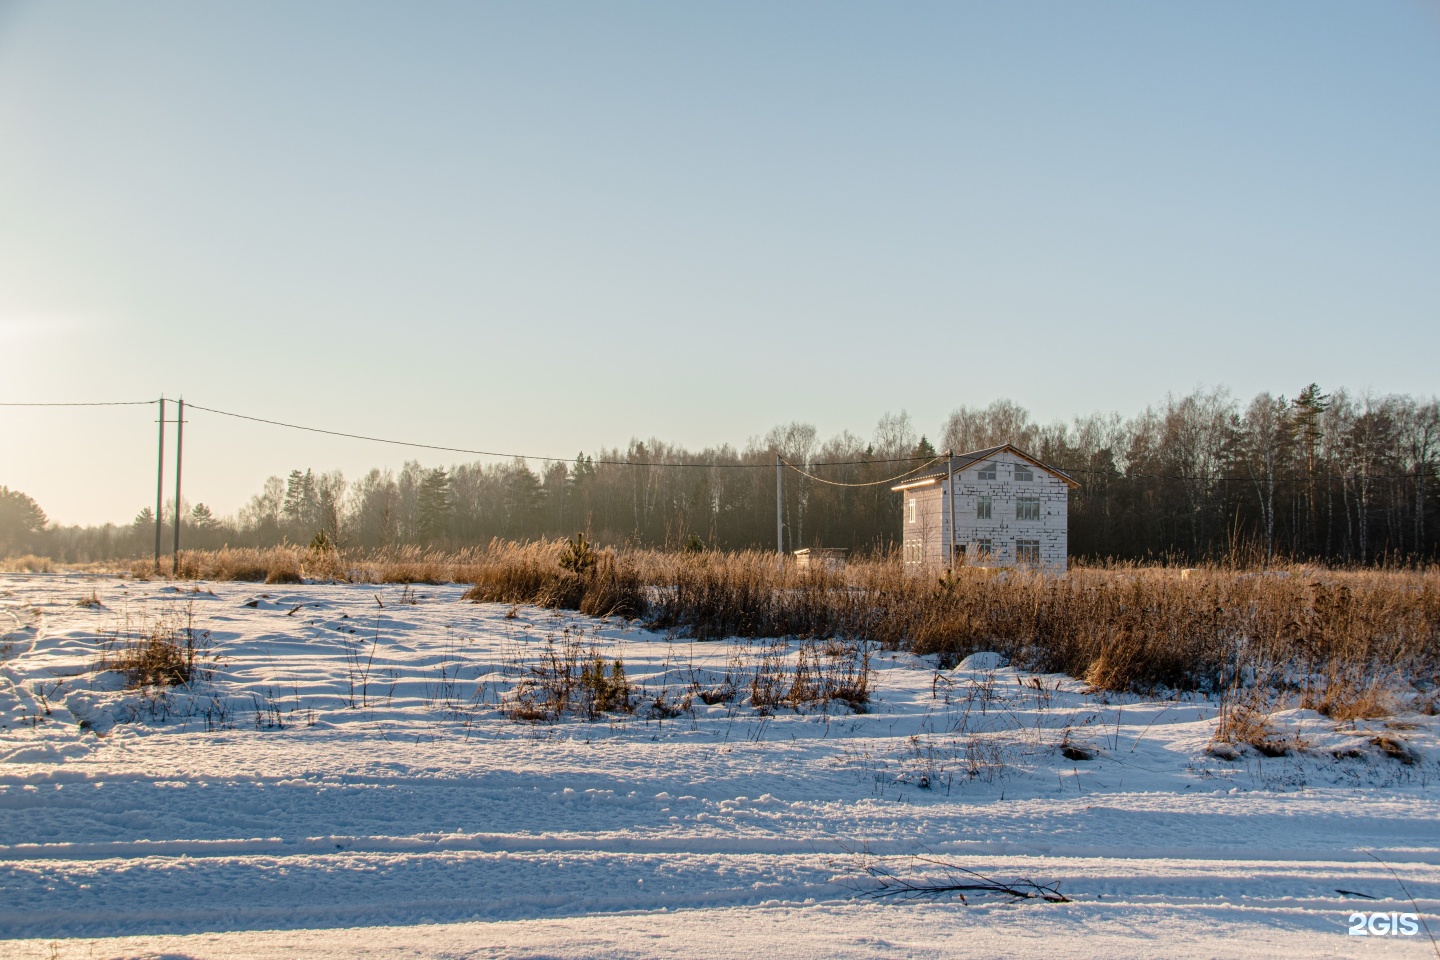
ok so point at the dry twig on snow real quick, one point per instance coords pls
(938, 877)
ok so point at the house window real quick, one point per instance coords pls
(1027, 508)
(982, 507)
(1024, 474)
(987, 472)
(982, 549)
(912, 509)
(1028, 552)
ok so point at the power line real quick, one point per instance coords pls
(1114, 474)
(729, 466)
(114, 403)
(1126, 475)
(529, 456)
(871, 483)
(357, 436)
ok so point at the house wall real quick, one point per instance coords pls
(1003, 528)
(925, 523)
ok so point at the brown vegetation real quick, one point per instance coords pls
(567, 676)
(1330, 637)
(168, 652)
(294, 564)
(27, 563)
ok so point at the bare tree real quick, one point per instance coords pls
(796, 443)
(1419, 425)
(1263, 440)
(1194, 442)
(894, 436)
(1003, 421)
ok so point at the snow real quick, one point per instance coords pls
(346, 784)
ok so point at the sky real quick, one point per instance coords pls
(547, 228)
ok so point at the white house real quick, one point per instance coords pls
(1009, 509)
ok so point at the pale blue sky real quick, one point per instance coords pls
(550, 227)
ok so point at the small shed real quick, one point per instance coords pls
(821, 558)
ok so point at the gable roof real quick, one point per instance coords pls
(961, 461)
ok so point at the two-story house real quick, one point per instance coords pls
(990, 508)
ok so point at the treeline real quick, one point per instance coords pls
(1333, 477)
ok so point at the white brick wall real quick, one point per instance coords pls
(925, 538)
(924, 523)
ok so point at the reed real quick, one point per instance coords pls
(1336, 638)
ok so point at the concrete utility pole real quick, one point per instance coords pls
(179, 441)
(779, 506)
(950, 466)
(160, 486)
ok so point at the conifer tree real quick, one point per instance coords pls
(434, 504)
(20, 520)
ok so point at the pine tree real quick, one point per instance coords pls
(434, 505)
(294, 507)
(579, 557)
(583, 469)
(619, 687)
(20, 520)
(302, 499)
(309, 499)
(522, 499)
(1306, 430)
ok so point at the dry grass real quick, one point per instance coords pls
(1397, 750)
(1246, 718)
(1347, 697)
(567, 675)
(29, 563)
(293, 564)
(533, 573)
(1117, 627)
(166, 652)
(820, 674)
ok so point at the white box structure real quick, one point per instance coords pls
(1008, 510)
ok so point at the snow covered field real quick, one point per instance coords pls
(347, 784)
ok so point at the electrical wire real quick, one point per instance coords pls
(870, 483)
(115, 403)
(737, 466)
(1114, 474)
(526, 456)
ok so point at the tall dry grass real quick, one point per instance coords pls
(27, 563)
(1334, 637)
(294, 564)
(1329, 634)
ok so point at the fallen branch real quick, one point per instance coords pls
(1354, 893)
(958, 880)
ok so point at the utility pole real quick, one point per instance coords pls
(179, 440)
(950, 466)
(160, 486)
(779, 506)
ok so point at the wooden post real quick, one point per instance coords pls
(179, 441)
(160, 486)
(779, 506)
